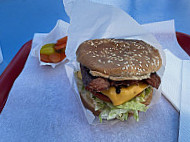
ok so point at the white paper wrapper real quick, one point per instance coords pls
(59, 31)
(102, 21)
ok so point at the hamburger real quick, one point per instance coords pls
(117, 76)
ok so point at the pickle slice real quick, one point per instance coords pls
(48, 49)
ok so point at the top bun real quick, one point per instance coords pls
(119, 59)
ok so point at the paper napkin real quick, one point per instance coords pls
(171, 82)
(184, 127)
(176, 88)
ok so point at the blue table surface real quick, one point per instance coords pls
(20, 19)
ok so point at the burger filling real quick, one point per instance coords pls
(110, 111)
(110, 96)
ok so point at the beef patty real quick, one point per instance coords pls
(97, 84)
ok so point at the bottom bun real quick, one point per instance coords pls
(88, 102)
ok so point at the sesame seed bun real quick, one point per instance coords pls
(119, 59)
(88, 102)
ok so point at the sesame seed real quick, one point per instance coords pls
(126, 62)
(118, 65)
(123, 68)
(158, 62)
(120, 59)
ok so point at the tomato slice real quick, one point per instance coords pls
(63, 55)
(101, 96)
(60, 46)
(55, 57)
(62, 40)
(44, 58)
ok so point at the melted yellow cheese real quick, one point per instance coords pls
(126, 94)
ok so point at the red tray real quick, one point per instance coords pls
(15, 67)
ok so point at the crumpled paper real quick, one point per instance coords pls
(102, 21)
(166, 35)
(59, 31)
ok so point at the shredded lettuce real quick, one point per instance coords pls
(109, 111)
